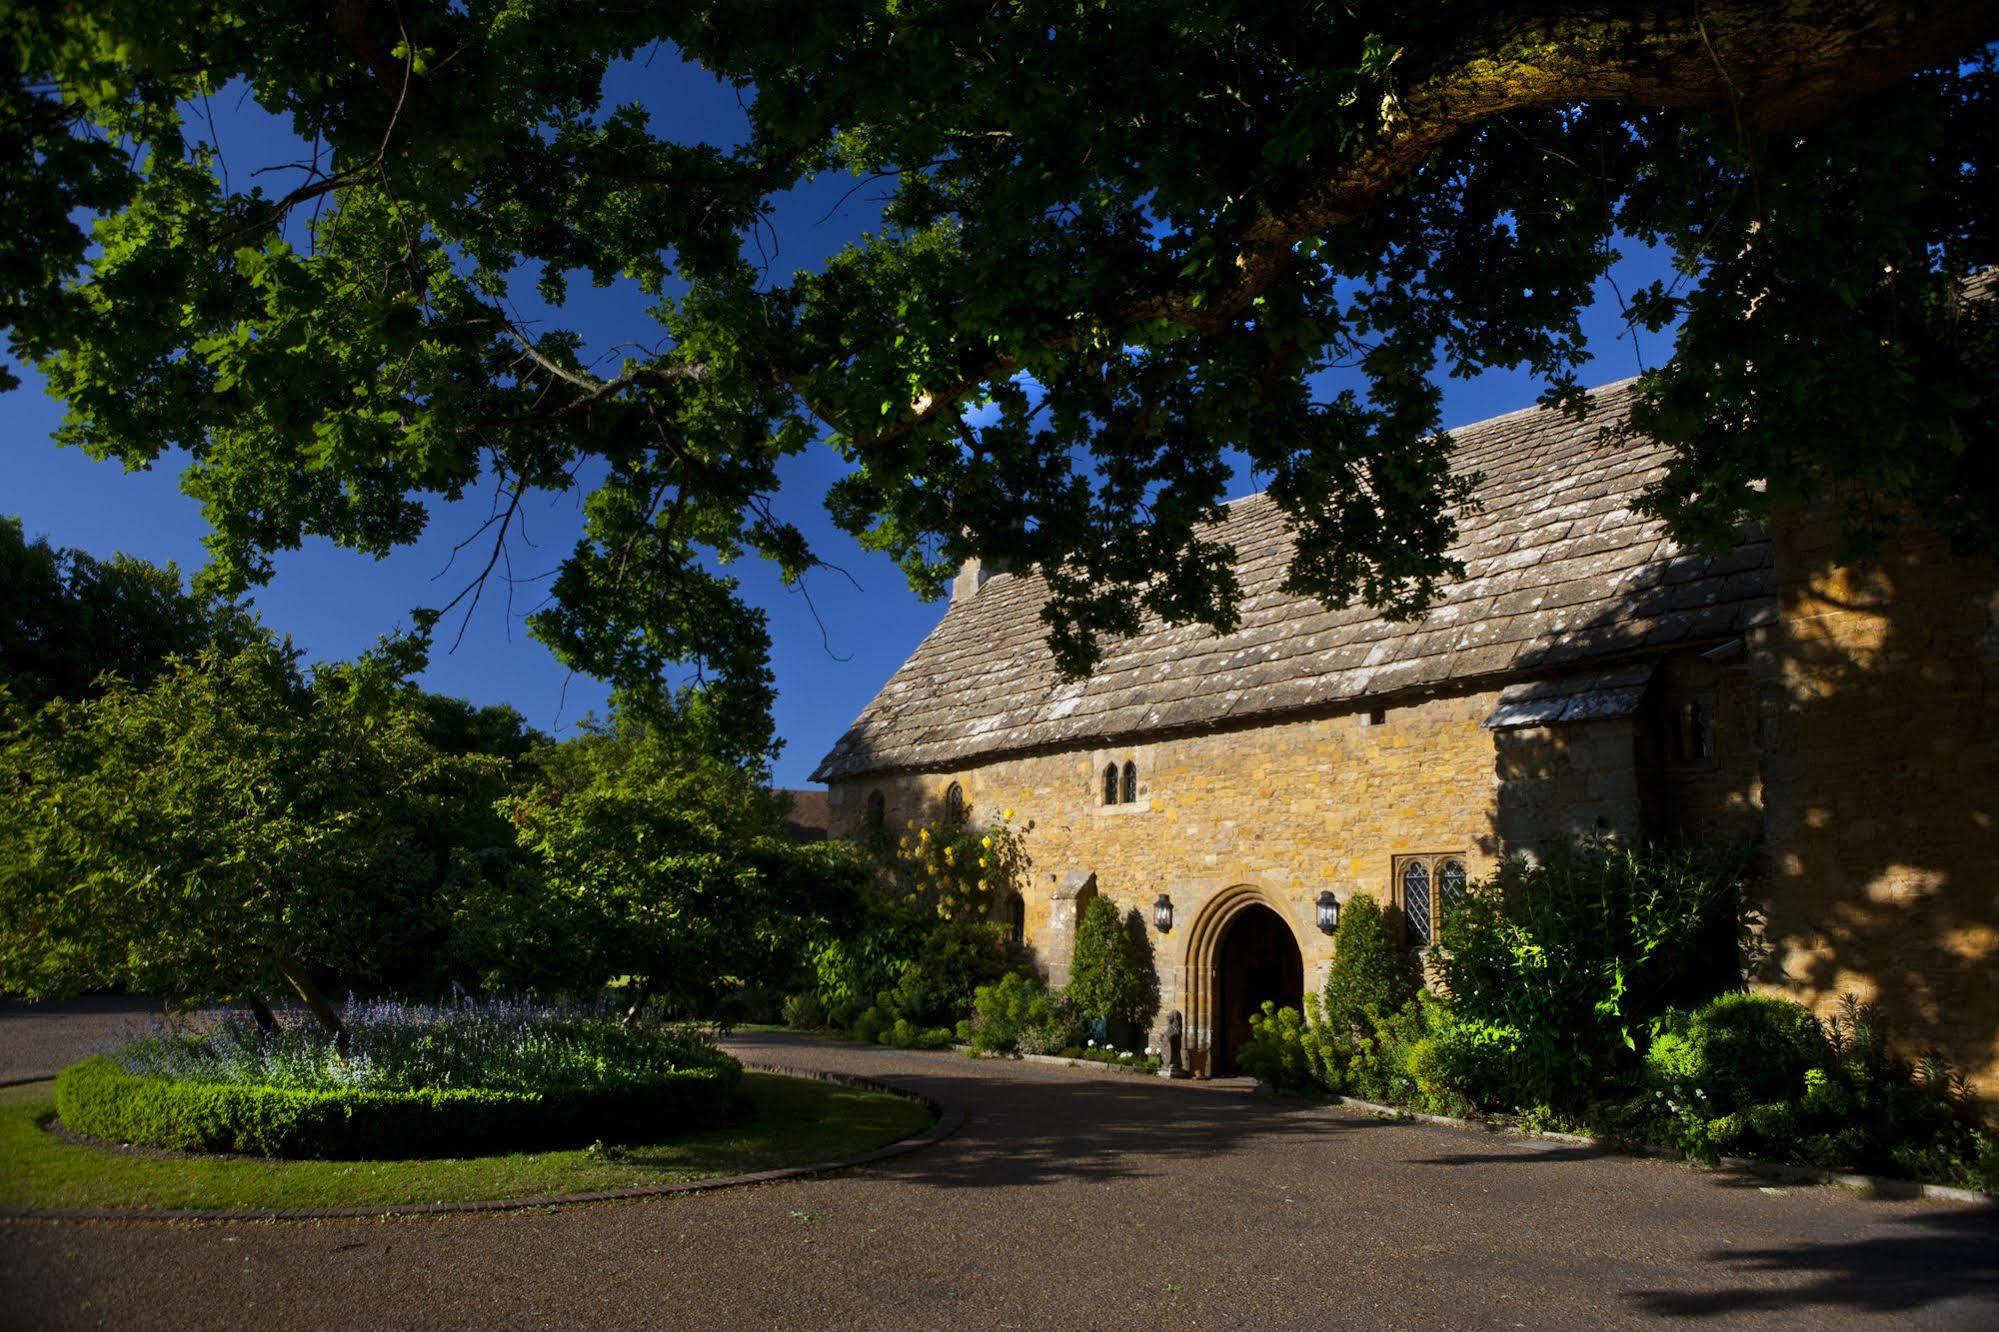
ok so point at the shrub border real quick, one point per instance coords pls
(98, 1099)
(1883, 1187)
(948, 1120)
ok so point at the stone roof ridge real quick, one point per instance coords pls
(1562, 573)
(1614, 386)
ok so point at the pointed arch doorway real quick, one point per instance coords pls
(1243, 953)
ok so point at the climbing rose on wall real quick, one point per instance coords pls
(958, 869)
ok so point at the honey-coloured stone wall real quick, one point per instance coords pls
(1276, 814)
(1879, 689)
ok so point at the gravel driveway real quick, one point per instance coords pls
(1076, 1198)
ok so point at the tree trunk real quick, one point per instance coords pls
(315, 1002)
(267, 1021)
(638, 1007)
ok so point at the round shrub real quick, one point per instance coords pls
(99, 1099)
(1468, 1061)
(414, 1080)
(1741, 1050)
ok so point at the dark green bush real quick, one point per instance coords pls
(1112, 978)
(100, 1100)
(1762, 1077)
(1372, 975)
(804, 1012)
(1464, 1064)
(922, 973)
(1578, 954)
(1009, 1010)
(1740, 1050)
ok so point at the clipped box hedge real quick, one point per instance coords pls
(99, 1099)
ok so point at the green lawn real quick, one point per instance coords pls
(789, 1121)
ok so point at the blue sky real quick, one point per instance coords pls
(335, 603)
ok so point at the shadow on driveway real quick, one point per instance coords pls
(1944, 1252)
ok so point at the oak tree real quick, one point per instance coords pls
(1123, 238)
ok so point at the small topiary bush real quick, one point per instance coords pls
(1467, 1065)
(1111, 978)
(1371, 976)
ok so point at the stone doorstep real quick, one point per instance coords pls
(1875, 1186)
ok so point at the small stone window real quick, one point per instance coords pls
(1110, 783)
(1693, 730)
(1427, 889)
(954, 803)
(1019, 919)
(877, 811)
(1130, 782)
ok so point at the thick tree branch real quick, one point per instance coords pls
(1779, 65)
(349, 22)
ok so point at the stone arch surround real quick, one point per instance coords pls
(1202, 955)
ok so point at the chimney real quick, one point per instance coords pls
(972, 576)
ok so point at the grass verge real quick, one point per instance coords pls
(787, 1122)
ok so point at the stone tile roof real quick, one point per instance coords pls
(1560, 574)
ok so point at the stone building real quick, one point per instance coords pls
(1586, 674)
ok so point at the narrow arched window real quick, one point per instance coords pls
(1110, 783)
(877, 814)
(954, 804)
(1416, 902)
(1019, 919)
(1130, 782)
(1450, 886)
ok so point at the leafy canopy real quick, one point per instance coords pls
(230, 830)
(67, 617)
(1122, 239)
(640, 862)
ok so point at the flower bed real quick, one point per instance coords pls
(415, 1082)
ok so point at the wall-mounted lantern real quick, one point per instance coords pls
(1329, 911)
(1162, 913)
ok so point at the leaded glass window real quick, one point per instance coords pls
(1450, 885)
(1416, 902)
(1130, 782)
(1110, 783)
(877, 809)
(954, 804)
